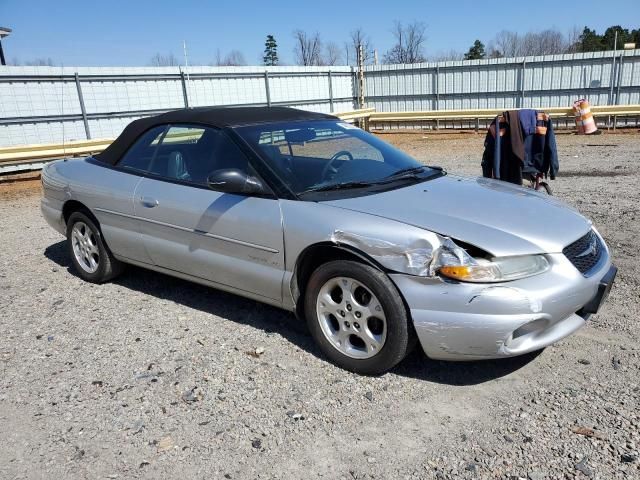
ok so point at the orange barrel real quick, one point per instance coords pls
(584, 118)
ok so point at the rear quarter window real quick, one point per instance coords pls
(140, 154)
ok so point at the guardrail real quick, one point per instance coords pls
(356, 114)
(34, 157)
(379, 119)
(604, 110)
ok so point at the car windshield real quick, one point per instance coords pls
(329, 155)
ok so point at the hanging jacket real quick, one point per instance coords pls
(528, 120)
(541, 152)
(511, 154)
(504, 153)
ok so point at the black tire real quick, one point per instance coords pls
(107, 266)
(544, 186)
(400, 336)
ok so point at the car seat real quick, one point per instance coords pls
(177, 166)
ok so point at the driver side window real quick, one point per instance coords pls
(186, 153)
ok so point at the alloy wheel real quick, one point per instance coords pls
(85, 247)
(351, 317)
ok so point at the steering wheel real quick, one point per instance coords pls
(329, 168)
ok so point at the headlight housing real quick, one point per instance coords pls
(429, 254)
(455, 263)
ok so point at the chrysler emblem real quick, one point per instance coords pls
(590, 250)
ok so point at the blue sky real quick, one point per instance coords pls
(116, 32)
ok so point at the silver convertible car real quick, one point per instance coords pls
(311, 214)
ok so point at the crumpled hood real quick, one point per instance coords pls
(499, 217)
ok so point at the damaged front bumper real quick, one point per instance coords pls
(465, 321)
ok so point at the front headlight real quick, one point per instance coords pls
(480, 270)
(428, 254)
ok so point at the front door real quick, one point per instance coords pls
(233, 240)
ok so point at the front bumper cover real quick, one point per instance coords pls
(464, 321)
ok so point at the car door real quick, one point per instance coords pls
(111, 196)
(233, 240)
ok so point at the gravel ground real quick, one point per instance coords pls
(154, 377)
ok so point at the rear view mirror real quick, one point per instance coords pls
(233, 180)
(300, 135)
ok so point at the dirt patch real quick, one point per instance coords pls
(599, 173)
(18, 186)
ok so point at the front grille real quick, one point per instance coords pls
(585, 252)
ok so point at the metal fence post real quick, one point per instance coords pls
(267, 89)
(620, 65)
(522, 78)
(82, 108)
(354, 92)
(330, 92)
(184, 89)
(612, 79)
(437, 94)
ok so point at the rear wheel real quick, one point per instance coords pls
(357, 317)
(90, 256)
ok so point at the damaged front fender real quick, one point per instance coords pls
(419, 255)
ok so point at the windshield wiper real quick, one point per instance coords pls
(404, 174)
(412, 171)
(337, 186)
(405, 171)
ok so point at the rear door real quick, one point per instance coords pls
(233, 240)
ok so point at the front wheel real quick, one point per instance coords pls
(90, 256)
(357, 317)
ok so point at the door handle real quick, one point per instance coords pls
(148, 202)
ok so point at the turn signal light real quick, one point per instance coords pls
(457, 272)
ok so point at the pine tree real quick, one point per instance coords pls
(590, 41)
(476, 52)
(270, 52)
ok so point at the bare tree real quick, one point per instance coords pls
(308, 48)
(39, 62)
(573, 39)
(409, 45)
(513, 44)
(546, 42)
(493, 52)
(551, 42)
(332, 54)
(505, 44)
(446, 56)
(168, 60)
(359, 37)
(234, 58)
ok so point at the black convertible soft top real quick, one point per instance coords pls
(219, 117)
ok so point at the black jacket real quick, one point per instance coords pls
(502, 157)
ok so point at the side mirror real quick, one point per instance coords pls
(233, 180)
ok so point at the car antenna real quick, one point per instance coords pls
(64, 151)
(186, 68)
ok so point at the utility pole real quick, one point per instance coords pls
(360, 76)
(4, 32)
(613, 69)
